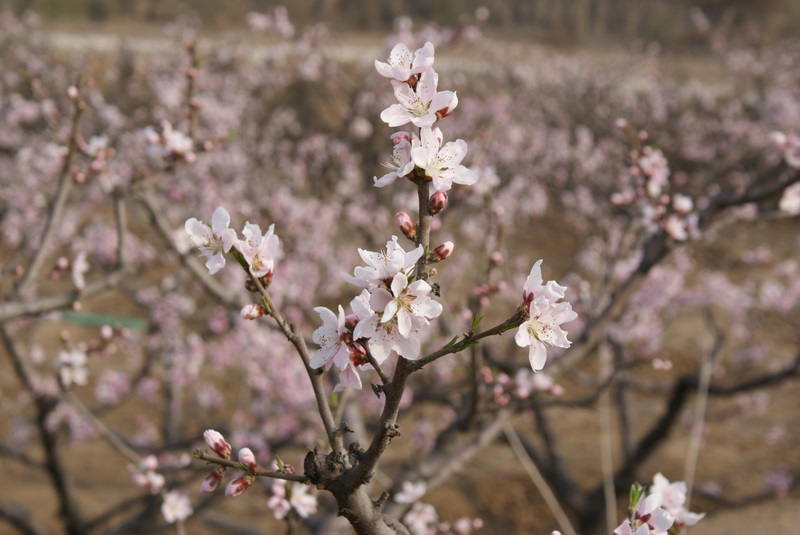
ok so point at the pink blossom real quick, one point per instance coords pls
(442, 164)
(212, 241)
(259, 251)
(421, 106)
(411, 492)
(400, 164)
(402, 65)
(176, 507)
(384, 265)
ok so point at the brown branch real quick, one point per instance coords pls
(15, 309)
(56, 210)
(228, 463)
(21, 518)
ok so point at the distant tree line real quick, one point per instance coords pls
(561, 21)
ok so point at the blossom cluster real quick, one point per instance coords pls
(258, 251)
(388, 317)
(662, 510)
(421, 157)
(650, 171)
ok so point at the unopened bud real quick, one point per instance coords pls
(239, 485)
(397, 137)
(72, 92)
(496, 258)
(212, 480)
(621, 123)
(443, 251)
(437, 202)
(62, 263)
(216, 442)
(253, 311)
(448, 109)
(248, 458)
(406, 225)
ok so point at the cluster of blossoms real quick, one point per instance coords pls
(170, 144)
(661, 511)
(387, 318)
(258, 251)
(421, 157)
(650, 172)
(175, 506)
(422, 518)
(295, 497)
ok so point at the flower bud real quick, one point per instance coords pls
(252, 311)
(437, 202)
(248, 458)
(443, 251)
(216, 442)
(212, 480)
(239, 485)
(496, 258)
(72, 92)
(406, 225)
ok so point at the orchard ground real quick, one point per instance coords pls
(739, 447)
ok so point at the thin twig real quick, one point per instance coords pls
(65, 184)
(538, 480)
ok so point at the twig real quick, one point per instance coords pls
(213, 459)
(334, 437)
(538, 480)
(65, 184)
(704, 383)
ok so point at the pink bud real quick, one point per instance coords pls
(437, 202)
(252, 311)
(248, 459)
(212, 480)
(621, 123)
(443, 251)
(496, 258)
(149, 463)
(397, 137)
(62, 263)
(447, 110)
(239, 485)
(406, 225)
(216, 442)
(72, 92)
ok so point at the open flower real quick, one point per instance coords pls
(542, 330)
(259, 251)
(545, 316)
(213, 241)
(402, 65)
(382, 266)
(332, 337)
(423, 105)
(406, 302)
(176, 507)
(442, 164)
(400, 164)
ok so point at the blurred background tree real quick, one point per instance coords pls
(567, 22)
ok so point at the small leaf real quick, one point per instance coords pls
(476, 320)
(451, 342)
